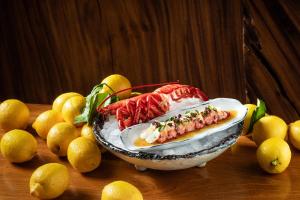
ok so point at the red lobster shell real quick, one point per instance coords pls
(150, 105)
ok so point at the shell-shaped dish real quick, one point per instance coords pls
(130, 135)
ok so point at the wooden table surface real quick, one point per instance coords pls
(230, 176)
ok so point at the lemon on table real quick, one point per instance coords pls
(60, 136)
(87, 132)
(121, 190)
(72, 107)
(274, 155)
(45, 121)
(61, 99)
(268, 127)
(84, 155)
(294, 134)
(117, 82)
(14, 114)
(251, 108)
(49, 181)
(18, 146)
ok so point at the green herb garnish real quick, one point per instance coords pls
(259, 112)
(93, 100)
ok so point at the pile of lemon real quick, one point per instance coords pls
(271, 134)
(63, 138)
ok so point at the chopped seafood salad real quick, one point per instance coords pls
(193, 120)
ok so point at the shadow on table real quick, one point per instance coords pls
(74, 195)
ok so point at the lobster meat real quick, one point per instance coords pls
(145, 107)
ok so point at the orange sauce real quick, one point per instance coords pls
(139, 142)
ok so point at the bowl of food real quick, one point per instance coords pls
(175, 127)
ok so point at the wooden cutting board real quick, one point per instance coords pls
(233, 175)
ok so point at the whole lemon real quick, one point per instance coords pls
(87, 132)
(14, 114)
(49, 181)
(60, 136)
(45, 121)
(61, 99)
(251, 108)
(84, 155)
(267, 127)
(72, 107)
(18, 146)
(294, 134)
(274, 155)
(117, 82)
(121, 190)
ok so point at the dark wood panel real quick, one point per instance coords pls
(48, 47)
(272, 55)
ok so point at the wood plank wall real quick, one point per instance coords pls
(272, 55)
(52, 46)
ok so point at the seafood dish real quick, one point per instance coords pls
(181, 124)
(185, 125)
(213, 126)
(147, 106)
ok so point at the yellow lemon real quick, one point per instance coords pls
(87, 132)
(14, 114)
(117, 82)
(61, 99)
(274, 155)
(49, 181)
(121, 190)
(267, 127)
(45, 121)
(72, 107)
(251, 108)
(84, 155)
(60, 136)
(294, 134)
(18, 146)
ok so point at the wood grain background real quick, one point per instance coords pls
(49, 47)
(272, 55)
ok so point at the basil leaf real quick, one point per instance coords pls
(259, 112)
(89, 108)
(93, 100)
(97, 100)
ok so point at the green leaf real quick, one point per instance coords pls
(97, 100)
(259, 112)
(93, 100)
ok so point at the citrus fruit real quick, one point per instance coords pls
(14, 114)
(84, 155)
(87, 132)
(18, 146)
(45, 121)
(251, 108)
(268, 127)
(60, 136)
(121, 190)
(49, 181)
(117, 82)
(72, 107)
(274, 155)
(61, 99)
(294, 134)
